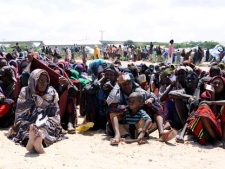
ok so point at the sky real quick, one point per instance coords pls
(137, 20)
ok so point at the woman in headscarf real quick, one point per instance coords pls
(37, 119)
(213, 71)
(95, 67)
(66, 89)
(206, 123)
(8, 82)
(96, 52)
(14, 64)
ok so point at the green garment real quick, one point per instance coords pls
(75, 76)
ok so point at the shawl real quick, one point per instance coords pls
(206, 94)
(9, 90)
(30, 105)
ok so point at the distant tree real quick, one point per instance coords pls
(129, 42)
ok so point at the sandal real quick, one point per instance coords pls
(179, 139)
(168, 136)
(71, 131)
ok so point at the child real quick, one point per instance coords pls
(133, 117)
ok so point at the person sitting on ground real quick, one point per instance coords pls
(206, 123)
(133, 116)
(36, 100)
(179, 117)
(8, 81)
(213, 71)
(6, 110)
(96, 95)
(118, 98)
(169, 79)
(60, 82)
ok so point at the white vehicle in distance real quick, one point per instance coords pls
(89, 50)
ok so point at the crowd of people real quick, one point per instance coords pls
(39, 96)
(163, 53)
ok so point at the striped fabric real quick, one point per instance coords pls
(129, 119)
(195, 124)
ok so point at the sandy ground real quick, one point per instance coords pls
(92, 150)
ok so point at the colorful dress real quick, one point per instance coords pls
(30, 105)
(195, 123)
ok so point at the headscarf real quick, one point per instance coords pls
(33, 79)
(9, 90)
(79, 67)
(207, 95)
(214, 67)
(166, 72)
(97, 65)
(13, 61)
(180, 68)
(189, 69)
(30, 105)
(63, 65)
(11, 70)
(221, 77)
(112, 69)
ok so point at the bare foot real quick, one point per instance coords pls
(38, 143)
(32, 133)
(153, 128)
(115, 140)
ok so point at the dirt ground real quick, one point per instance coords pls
(92, 150)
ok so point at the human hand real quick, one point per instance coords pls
(141, 138)
(102, 77)
(207, 102)
(107, 86)
(149, 102)
(63, 81)
(173, 80)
